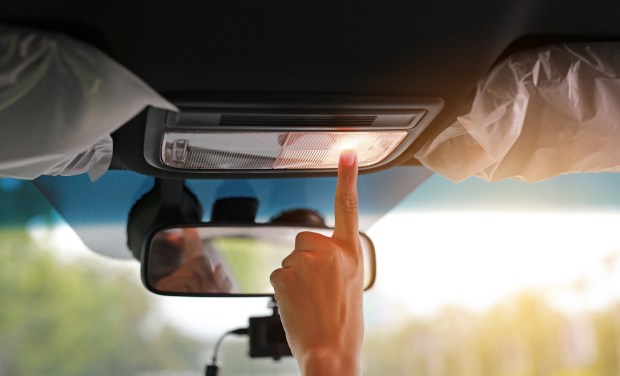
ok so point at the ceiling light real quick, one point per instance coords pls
(274, 150)
(283, 136)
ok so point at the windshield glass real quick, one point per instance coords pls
(474, 278)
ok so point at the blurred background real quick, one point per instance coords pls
(502, 279)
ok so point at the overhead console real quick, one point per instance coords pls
(283, 136)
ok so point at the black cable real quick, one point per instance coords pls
(213, 368)
(240, 331)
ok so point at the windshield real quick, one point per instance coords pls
(474, 278)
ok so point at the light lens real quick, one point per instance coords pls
(274, 150)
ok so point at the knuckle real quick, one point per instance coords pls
(308, 241)
(289, 260)
(304, 235)
(301, 259)
(275, 276)
(349, 201)
(280, 278)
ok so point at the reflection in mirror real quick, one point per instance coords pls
(235, 260)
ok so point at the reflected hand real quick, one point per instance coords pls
(196, 273)
(320, 285)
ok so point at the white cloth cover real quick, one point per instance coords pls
(538, 114)
(60, 100)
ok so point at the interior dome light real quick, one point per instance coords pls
(258, 136)
(274, 150)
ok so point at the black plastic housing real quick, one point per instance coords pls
(265, 114)
(267, 338)
(148, 239)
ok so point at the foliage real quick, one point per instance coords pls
(59, 318)
(69, 319)
(522, 336)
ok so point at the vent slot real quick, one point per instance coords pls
(298, 120)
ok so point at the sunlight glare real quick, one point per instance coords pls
(428, 260)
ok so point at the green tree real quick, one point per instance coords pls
(59, 318)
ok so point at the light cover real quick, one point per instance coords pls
(274, 150)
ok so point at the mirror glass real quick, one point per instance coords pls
(226, 260)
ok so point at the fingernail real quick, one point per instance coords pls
(347, 157)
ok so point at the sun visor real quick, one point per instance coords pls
(60, 100)
(541, 113)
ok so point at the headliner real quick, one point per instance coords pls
(433, 48)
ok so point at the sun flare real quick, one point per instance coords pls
(427, 260)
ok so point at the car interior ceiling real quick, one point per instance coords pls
(280, 53)
(223, 50)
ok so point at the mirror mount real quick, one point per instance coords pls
(267, 336)
(231, 255)
(235, 210)
(170, 202)
(267, 339)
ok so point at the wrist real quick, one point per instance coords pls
(329, 362)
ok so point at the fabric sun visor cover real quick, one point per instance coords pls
(60, 100)
(538, 114)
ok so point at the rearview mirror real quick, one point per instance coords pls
(226, 260)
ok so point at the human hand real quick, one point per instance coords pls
(197, 272)
(320, 286)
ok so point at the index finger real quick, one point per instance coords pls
(192, 244)
(345, 203)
